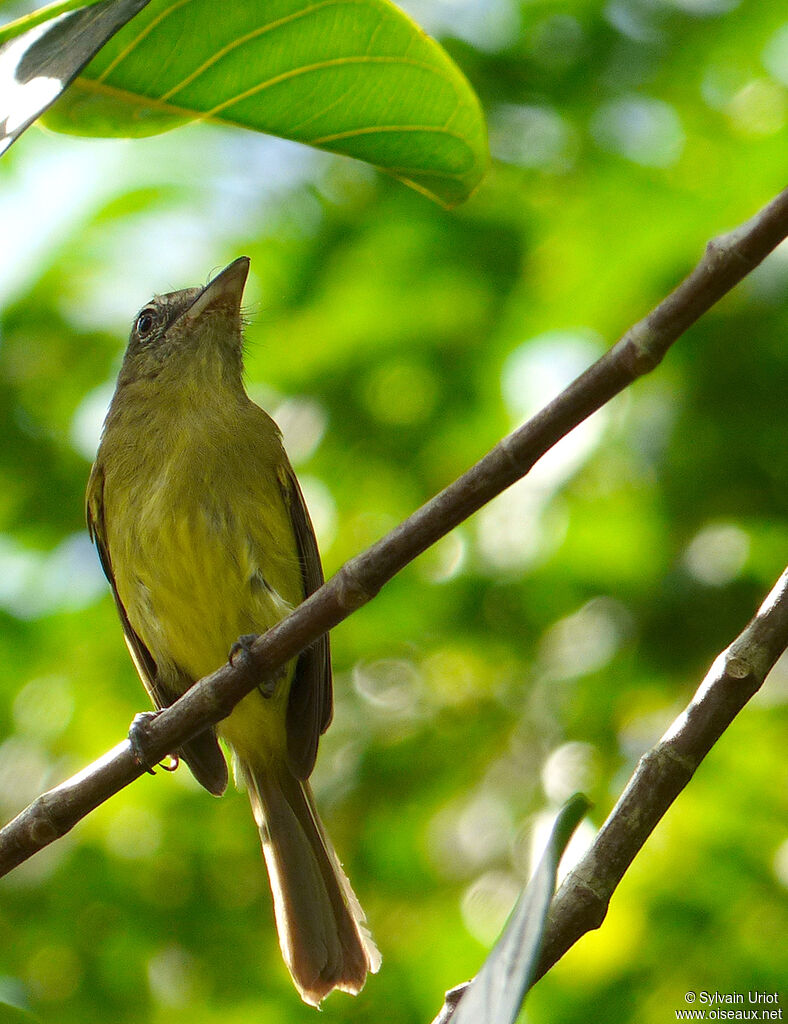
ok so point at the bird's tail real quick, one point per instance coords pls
(321, 926)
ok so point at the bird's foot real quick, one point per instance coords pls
(240, 654)
(138, 739)
(242, 648)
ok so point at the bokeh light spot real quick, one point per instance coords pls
(488, 24)
(303, 423)
(585, 641)
(717, 554)
(172, 977)
(444, 560)
(703, 8)
(322, 509)
(645, 131)
(523, 526)
(570, 768)
(535, 373)
(455, 676)
(487, 903)
(35, 583)
(518, 529)
(781, 864)
(532, 136)
(89, 418)
(775, 55)
(541, 367)
(391, 684)
(759, 109)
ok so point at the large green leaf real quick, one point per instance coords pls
(353, 76)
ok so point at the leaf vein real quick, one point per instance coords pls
(139, 37)
(254, 34)
(317, 66)
(383, 128)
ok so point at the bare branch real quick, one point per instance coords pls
(727, 260)
(735, 677)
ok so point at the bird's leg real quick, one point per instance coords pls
(242, 648)
(138, 738)
(240, 653)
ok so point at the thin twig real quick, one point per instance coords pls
(734, 678)
(727, 260)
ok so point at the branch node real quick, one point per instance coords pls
(511, 449)
(656, 758)
(725, 247)
(738, 668)
(593, 892)
(641, 349)
(352, 593)
(43, 827)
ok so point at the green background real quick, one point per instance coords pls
(539, 649)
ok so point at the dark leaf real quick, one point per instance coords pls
(36, 66)
(498, 990)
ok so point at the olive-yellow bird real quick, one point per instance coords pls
(203, 533)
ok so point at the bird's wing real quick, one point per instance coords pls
(310, 703)
(202, 753)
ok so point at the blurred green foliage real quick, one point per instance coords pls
(540, 648)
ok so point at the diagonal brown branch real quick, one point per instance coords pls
(734, 678)
(736, 675)
(727, 260)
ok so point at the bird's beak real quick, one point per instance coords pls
(226, 289)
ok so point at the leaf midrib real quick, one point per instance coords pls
(189, 113)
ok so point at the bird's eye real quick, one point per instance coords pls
(146, 321)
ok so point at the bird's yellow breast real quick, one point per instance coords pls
(203, 551)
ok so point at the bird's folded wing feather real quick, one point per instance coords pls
(202, 753)
(310, 704)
